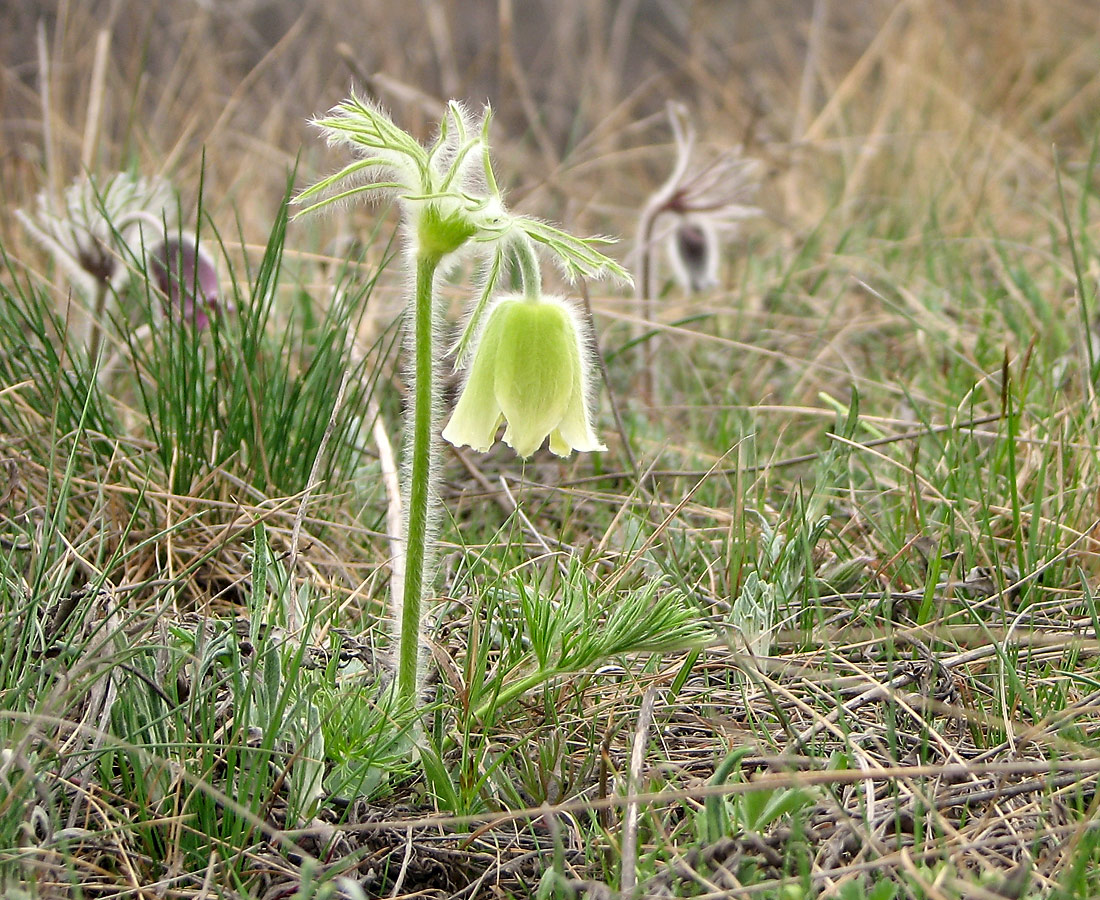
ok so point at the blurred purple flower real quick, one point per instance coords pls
(187, 277)
(693, 208)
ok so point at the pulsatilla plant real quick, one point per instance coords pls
(526, 354)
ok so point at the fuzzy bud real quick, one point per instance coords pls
(190, 294)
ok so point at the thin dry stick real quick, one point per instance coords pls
(388, 461)
(404, 863)
(628, 877)
(651, 539)
(137, 336)
(506, 503)
(53, 175)
(645, 284)
(276, 836)
(435, 19)
(1042, 769)
(590, 322)
(511, 69)
(208, 878)
(380, 84)
(882, 691)
(794, 460)
(240, 94)
(101, 700)
(809, 70)
(623, 24)
(810, 76)
(528, 524)
(170, 528)
(855, 80)
(95, 101)
(292, 622)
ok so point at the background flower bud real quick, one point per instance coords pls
(693, 252)
(191, 294)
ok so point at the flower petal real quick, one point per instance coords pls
(534, 372)
(477, 415)
(187, 277)
(694, 251)
(529, 368)
(575, 430)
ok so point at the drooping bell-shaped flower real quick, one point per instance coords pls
(701, 204)
(187, 277)
(529, 370)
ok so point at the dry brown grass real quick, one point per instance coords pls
(893, 101)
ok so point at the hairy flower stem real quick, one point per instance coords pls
(530, 274)
(421, 452)
(95, 323)
(645, 292)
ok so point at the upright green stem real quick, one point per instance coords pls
(420, 478)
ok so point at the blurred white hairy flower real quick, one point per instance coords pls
(694, 209)
(99, 226)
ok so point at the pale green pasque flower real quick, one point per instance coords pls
(529, 364)
(530, 369)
